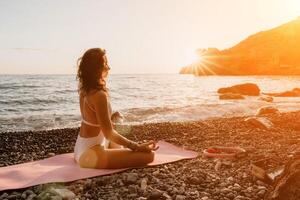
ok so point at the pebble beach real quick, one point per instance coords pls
(200, 178)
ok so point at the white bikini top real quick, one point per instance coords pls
(86, 122)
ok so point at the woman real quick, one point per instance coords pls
(98, 145)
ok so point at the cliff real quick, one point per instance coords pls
(272, 52)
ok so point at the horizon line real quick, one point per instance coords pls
(1, 74)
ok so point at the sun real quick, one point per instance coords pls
(192, 57)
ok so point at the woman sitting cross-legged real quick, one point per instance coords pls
(98, 145)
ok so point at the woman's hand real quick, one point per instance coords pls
(147, 146)
(117, 117)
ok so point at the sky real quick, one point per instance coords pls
(140, 36)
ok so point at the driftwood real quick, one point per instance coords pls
(287, 185)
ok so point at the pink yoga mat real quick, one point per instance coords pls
(62, 168)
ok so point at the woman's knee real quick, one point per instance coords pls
(93, 158)
(149, 157)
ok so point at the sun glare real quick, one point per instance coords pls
(192, 57)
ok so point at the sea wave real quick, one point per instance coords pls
(12, 87)
(33, 101)
(38, 102)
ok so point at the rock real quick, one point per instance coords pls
(155, 173)
(261, 188)
(120, 182)
(228, 96)
(143, 184)
(243, 89)
(174, 191)
(293, 93)
(29, 192)
(141, 198)
(114, 197)
(13, 197)
(131, 196)
(225, 190)
(180, 197)
(155, 194)
(166, 196)
(287, 185)
(24, 195)
(4, 195)
(261, 193)
(266, 110)
(31, 197)
(132, 189)
(51, 154)
(88, 184)
(194, 180)
(230, 179)
(266, 98)
(130, 178)
(218, 165)
(239, 197)
(259, 122)
(63, 193)
(181, 190)
(230, 195)
(237, 189)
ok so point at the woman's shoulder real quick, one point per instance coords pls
(99, 95)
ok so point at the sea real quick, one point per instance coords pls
(43, 102)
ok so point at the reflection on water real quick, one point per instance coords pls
(35, 102)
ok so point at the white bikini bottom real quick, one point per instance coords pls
(82, 144)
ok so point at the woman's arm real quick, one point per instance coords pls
(100, 103)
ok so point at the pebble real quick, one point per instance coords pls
(31, 197)
(155, 194)
(191, 179)
(132, 189)
(180, 197)
(51, 154)
(194, 180)
(4, 195)
(143, 184)
(141, 198)
(261, 193)
(225, 190)
(230, 179)
(155, 173)
(63, 192)
(131, 178)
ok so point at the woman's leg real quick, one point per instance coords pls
(98, 157)
(113, 145)
(122, 158)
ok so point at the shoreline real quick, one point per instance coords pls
(187, 179)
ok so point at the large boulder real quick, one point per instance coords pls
(266, 110)
(293, 93)
(228, 96)
(287, 185)
(250, 89)
(259, 122)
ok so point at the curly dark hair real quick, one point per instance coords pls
(89, 73)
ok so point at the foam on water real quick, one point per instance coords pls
(38, 102)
